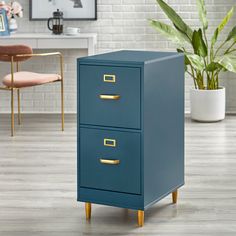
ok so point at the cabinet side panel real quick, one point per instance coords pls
(78, 125)
(163, 127)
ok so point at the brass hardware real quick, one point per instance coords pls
(110, 162)
(109, 142)
(109, 97)
(109, 78)
(88, 210)
(140, 218)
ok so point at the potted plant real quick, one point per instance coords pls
(203, 59)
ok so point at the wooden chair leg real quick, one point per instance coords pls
(88, 210)
(62, 107)
(175, 196)
(12, 113)
(19, 112)
(140, 218)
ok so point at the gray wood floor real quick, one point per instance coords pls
(38, 185)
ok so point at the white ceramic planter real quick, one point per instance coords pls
(207, 105)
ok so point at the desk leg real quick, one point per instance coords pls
(91, 46)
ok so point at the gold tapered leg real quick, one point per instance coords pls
(12, 112)
(12, 96)
(62, 107)
(62, 93)
(19, 113)
(174, 196)
(140, 218)
(88, 210)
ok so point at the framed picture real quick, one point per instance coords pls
(4, 28)
(72, 9)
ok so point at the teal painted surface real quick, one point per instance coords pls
(110, 198)
(155, 164)
(124, 177)
(124, 112)
(127, 57)
(163, 128)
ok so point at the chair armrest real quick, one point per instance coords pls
(45, 55)
(33, 55)
(40, 54)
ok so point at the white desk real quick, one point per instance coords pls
(49, 41)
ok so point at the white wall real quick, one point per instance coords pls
(121, 24)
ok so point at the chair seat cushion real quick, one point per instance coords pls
(28, 79)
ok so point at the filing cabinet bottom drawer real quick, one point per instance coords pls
(109, 160)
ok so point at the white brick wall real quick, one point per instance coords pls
(121, 24)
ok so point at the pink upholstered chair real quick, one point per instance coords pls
(15, 81)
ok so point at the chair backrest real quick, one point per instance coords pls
(6, 52)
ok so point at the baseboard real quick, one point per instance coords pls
(74, 113)
(46, 113)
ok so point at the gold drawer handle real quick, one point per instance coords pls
(109, 78)
(109, 97)
(110, 162)
(109, 142)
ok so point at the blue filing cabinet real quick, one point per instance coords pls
(130, 129)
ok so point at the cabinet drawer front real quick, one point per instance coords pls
(110, 96)
(109, 167)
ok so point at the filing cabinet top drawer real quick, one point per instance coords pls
(110, 96)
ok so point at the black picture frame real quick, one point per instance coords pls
(32, 18)
(4, 27)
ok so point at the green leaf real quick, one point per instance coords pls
(226, 19)
(222, 25)
(228, 62)
(186, 60)
(169, 32)
(199, 45)
(196, 61)
(220, 28)
(213, 41)
(180, 50)
(213, 66)
(232, 34)
(202, 13)
(176, 19)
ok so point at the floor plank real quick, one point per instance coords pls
(38, 184)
